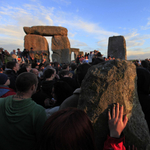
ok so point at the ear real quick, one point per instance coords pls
(33, 87)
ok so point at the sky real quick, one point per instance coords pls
(90, 23)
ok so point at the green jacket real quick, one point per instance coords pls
(20, 123)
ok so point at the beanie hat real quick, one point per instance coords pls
(3, 78)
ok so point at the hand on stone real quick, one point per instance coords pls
(116, 121)
(133, 148)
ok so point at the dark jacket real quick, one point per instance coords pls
(143, 88)
(12, 77)
(46, 87)
(72, 82)
(6, 91)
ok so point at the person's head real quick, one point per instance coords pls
(67, 129)
(1, 69)
(35, 71)
(64, 73)
(18, 49)
(99, 54)
(4, 79)
(14, 51)
(109, 57)
(73, 66)
(66, 67)
(49, 73)
(13, 65)
(61, 90)
(81, 72)
(145, 64)
(25, 82)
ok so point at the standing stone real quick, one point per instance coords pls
(117, 47)
(81, 53)
(60, 47)
(76, 52)
(38, 42)
(111, 82)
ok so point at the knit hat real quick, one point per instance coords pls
(3, 78)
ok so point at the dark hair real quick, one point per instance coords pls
(63, 73)
(25, 80)
(67, 129)
(48, 73)
(21, 70)
(73, 66)
(65, 66)
(145, 63)
(62, 90)
(11, 64)
(81, 72)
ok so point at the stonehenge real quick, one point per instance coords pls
(60, 43)
(117, 47)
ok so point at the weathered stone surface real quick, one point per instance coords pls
(111, 82)
(76, 52)
(60, 42)
(46, 30)
(81, 53)
(38, 42)
(60, 47)
(74, 49)
(117, 47)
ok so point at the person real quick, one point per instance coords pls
(1, 56)
(24, 68)
(85, 60)
(143, 89)
(32, 55)
(65, 76)
(21, 118)
(14, 56)
(71, 128)
(44, 90)
(60, 91)
(11, 70)
(47, 84)
(98, 59)
(72, 101)
(4, 89)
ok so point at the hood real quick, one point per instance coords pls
(143, 80)
(17, 110)
(3, 91)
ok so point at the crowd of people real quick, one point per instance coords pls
(25, 56)
(38, 103)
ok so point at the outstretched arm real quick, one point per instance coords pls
(116, 121)
(116, 126)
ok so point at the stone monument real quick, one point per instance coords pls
(111, 82)
(76, 52)
(117, 47)
(60, 42)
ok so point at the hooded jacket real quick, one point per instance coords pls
(21, 123)
(6, 91)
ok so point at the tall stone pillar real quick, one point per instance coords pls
(38, 42)
(60, 47)
(117, 47)
(76, 52)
